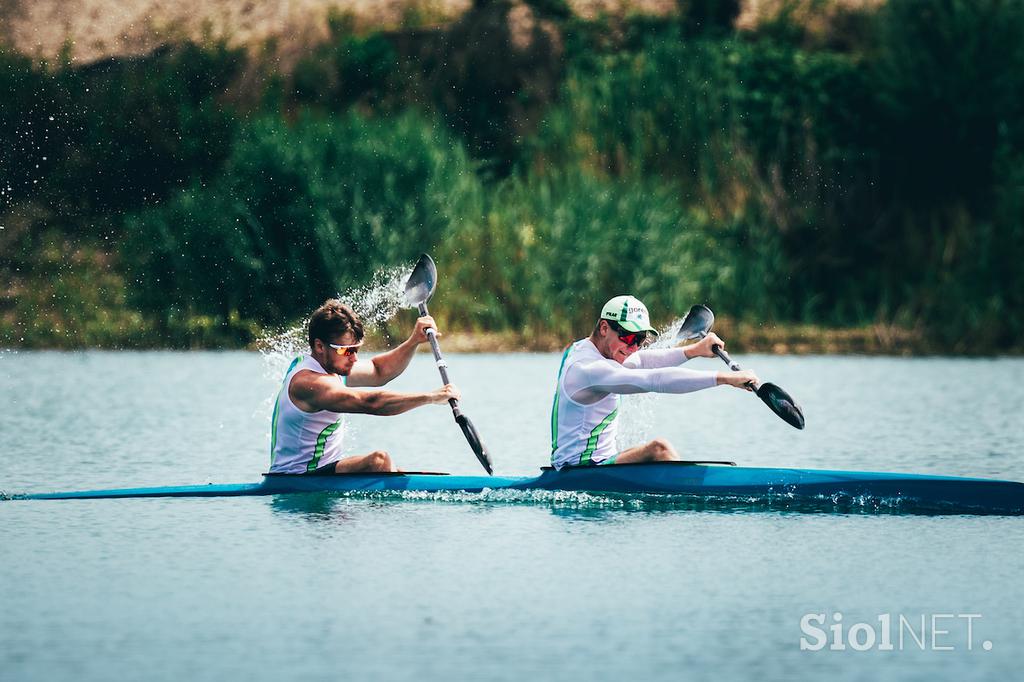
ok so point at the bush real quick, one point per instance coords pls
(346, 68)
(551, 249)
(299, 213)
(761, 138)
(115, 134)
(949, 76)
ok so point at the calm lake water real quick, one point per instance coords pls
(321, 587)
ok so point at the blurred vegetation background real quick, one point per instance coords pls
(865, 176)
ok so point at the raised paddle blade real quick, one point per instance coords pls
(473, 438)
(421, 283)
(696, 324)
(418, 290)
(782, 404)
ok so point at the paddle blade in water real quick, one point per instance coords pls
(420, 285)
(782, 404)
(473, 438)
(696, 324)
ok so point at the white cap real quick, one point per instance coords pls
(629, 313)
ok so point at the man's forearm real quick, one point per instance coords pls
(388, 403)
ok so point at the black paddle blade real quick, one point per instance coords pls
(473, 438)
(782, 404)
(420, 285)
(696, 324)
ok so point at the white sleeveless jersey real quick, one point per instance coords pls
(303, 441)
(582, 434)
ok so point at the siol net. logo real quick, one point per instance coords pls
(889, 632)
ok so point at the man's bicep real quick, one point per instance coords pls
(622, 381)
(363, 373)
(605, 377)
(655, 358)
(331, 394)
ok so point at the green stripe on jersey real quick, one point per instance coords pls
(554, 407)
(321, 443)
(277, 403)
(595, 435)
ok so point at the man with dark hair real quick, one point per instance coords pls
(614, 361)
(318, 390)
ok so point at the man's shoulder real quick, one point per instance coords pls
(585, 356)
(309, 389)
(582, 348)
(306, 383)
(310, 377)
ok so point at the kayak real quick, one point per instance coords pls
(799, 489)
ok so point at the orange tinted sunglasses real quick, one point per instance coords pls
(345, 351)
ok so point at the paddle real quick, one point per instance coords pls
(697, 324)
(418, 290)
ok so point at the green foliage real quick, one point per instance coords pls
(856, 187)
(761, 138)
(704, 110)
(299, 213)
(22, 131)
(74, 297)
(347, 68)
(950, 78)
(114, 135)
(777, 179)
(556, 9)
(552, 247)
(709, 16)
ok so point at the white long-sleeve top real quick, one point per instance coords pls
(585, 410)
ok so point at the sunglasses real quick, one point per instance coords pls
(345, 351)
(628, 338)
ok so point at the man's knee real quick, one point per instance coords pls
(661, 449)
(378, 460)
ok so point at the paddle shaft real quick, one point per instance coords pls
(734, 366)
(717, 350)
(442, 366)
(418, 290)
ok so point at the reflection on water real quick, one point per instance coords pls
(313, 506)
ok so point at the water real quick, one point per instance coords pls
(324, 587)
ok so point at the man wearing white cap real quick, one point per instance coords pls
(614, 361)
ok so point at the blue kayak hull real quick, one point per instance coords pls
(908, 491)
(822, 489)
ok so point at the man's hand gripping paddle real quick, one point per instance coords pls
(697, 324)
(418, 290)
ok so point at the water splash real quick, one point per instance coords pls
(376, 302)
(636, 415)
(382, 297)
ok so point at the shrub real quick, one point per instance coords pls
(299, 213)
